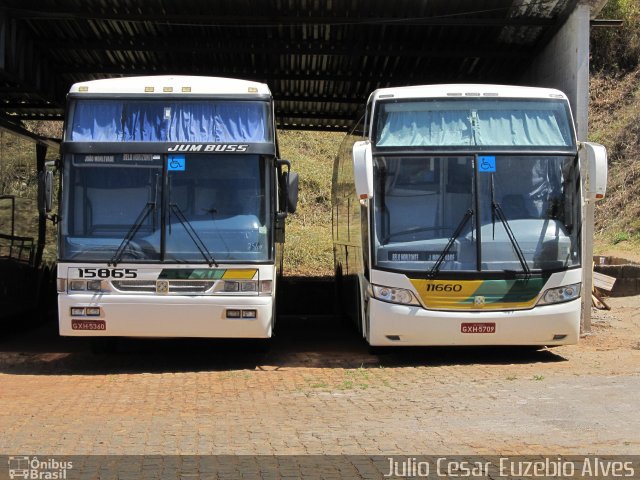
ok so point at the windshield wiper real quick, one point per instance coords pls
(496, 210)
(148, 208)
(193, 235)
(436, 266)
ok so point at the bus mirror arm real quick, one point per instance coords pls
(279, 226)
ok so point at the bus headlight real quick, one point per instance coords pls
(560, 294)
(85, 285)
(394, 295)
(266, 287)
(77, 285)
(237, 287)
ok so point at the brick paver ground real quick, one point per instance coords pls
(318, 391)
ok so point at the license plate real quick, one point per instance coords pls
(88, 325)
(478, 327)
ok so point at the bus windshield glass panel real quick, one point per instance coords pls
(169, 120)
(482, 122)
(526, 205)
(105, 199)
(223, 199)
(117, 202)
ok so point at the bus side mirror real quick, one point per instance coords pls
(288, 181)
(363, 169)
(291, 179)
(596, 158)
(45, 195)
(48, 191)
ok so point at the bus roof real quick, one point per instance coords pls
(466, 90)
(172, 84)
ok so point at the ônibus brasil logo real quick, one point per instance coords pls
(33, 468)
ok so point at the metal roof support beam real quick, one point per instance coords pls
(20, 62)
(317, 127)
(22, 132)
(34, 115)
(284, 114)
(275, 47)
(378, 77)
(462, 20)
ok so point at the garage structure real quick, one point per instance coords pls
(320, 58)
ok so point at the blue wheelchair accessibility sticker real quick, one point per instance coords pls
(176, 163)
(487, 164)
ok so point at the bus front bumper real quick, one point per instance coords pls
(400, 325)
(166, 316)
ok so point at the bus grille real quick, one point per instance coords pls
(184, 287)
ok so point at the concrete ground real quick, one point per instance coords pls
(318, 391)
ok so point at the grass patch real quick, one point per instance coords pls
(615, 122)
(309, 245)
(620, 237)
(319, 385)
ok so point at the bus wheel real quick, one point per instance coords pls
(100, 345)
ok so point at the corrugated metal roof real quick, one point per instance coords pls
(320, 58)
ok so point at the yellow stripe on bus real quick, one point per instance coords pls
(464, 295)
(446, 294)
(240, 274)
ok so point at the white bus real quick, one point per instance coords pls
(457, 216)
(172, 209)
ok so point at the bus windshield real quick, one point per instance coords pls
(129, 202)
(477, 122)
(501, 212)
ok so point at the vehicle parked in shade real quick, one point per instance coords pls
(457, 216)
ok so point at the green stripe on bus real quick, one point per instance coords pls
(192, 273)
(509, 291)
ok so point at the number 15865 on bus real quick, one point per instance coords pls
(108, 273)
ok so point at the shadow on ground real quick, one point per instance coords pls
(322, 341)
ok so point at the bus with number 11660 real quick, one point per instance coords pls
(457, 216)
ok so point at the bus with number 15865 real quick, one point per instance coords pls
(173, 202)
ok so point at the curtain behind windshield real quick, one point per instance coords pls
(480, 122)
(169, 121)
